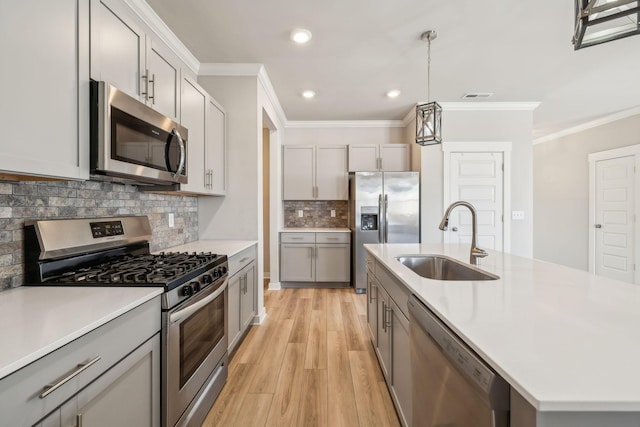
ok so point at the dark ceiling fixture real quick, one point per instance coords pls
(601, 21)
(429, 114)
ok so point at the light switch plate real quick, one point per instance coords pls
(517, 215)
(171, 221)
(333, 213)
(300, 213)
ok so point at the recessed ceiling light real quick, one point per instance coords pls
(393, 93)
(308, 94)
(300, 35)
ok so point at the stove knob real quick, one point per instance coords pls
(187, 290)
(196, 286)
(207, 278)
(223, 270)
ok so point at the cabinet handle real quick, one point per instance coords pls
(146, 85)
(371, 298)
(243, 259)
(50, 388)
(79, 420)
(153, 85)
(384, 317)
(389, 317)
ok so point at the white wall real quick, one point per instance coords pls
(235, 216)
(561, 189)
(476, 126)
(342, 135)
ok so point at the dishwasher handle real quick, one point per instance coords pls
(459, 354)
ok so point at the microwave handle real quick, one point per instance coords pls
(183, 154)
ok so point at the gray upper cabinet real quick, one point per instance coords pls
(45, 90)
(207, 147)
(126, 54)
(379, 157)
(315, 172)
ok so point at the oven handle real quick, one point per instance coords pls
(193, 307)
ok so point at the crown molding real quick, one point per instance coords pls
(161, 30)
(230, 69)
(320, 124)
(589, 125)
(265, 81)
(489, 106)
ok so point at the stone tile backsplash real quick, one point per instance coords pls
(86, 199)
(316, 214)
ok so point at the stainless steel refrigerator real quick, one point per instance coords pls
(384, 207)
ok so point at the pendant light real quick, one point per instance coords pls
(600, 21)
(428, 115)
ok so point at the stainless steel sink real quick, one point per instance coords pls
(440, 267)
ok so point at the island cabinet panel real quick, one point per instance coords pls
(315, 259)
(242, 295)
(107, 370)
(372, 307)
(388, 323)
(45, 95)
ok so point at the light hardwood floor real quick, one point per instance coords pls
(310, 363)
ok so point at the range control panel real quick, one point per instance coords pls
(106, 229)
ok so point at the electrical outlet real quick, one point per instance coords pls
(333, 213)
(300, 213)
(171, 220)
(517, 215)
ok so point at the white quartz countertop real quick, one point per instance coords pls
(36, 320)
(315, 230)
(226, 247)
(566, 340)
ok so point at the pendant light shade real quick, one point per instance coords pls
(428, 123)
(600, 21)
(429, 114)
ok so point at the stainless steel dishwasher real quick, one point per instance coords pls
(452, 386)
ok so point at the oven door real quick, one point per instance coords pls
(195, 342)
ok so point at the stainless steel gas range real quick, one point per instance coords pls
(115, 252)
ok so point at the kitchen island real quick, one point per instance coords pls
(564, 339)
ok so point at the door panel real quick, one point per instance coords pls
(402, 212)
(478, 179)
(614, 213)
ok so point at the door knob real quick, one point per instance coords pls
(598, 225)
(454, 229)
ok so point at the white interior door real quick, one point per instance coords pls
(477, 178)
(614, 218)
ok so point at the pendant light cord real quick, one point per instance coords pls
(429, 70)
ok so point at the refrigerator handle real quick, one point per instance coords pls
(386, 218)
(380, 240)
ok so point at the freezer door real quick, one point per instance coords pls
(366, 222)
(402, 207)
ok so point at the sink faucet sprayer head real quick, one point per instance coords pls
(444, 224)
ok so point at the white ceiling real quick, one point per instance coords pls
(519, 50)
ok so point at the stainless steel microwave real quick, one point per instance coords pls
(132, 143)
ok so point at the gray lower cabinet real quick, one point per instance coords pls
(372, 307)
(125, 395)
(109, 376)
(242, 295)
(323, 257)
(389, 327)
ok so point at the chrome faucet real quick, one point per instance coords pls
(476, 252)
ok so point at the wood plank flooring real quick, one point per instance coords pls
(310, 363)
